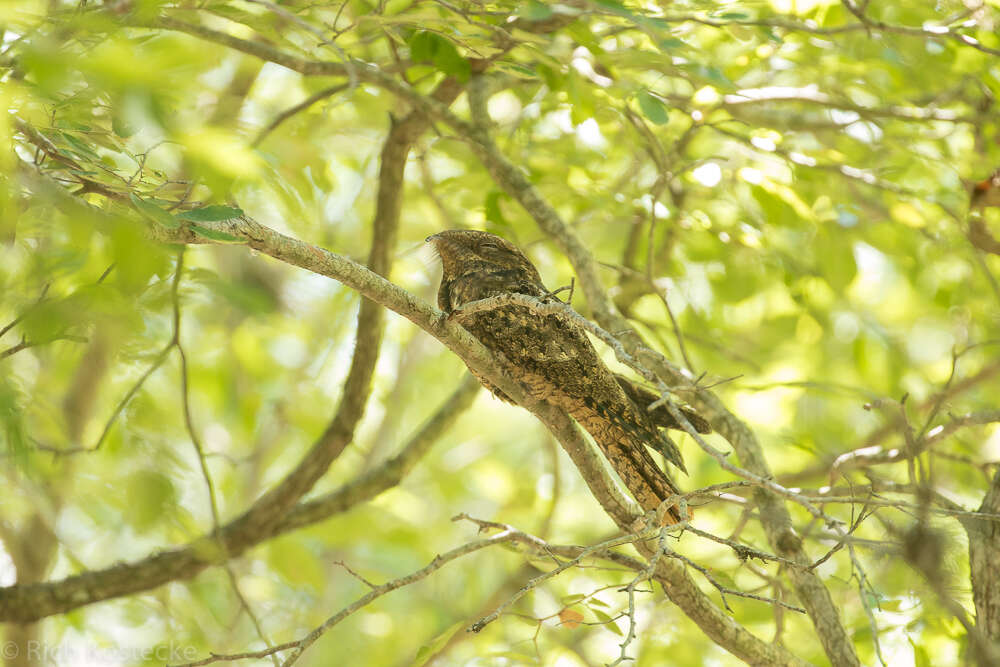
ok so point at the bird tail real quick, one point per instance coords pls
(624, 445)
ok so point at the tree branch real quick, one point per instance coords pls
(26, 603)
(984, 563)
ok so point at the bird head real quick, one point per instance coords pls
(468, 251)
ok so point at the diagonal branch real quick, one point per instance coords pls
(26, 603)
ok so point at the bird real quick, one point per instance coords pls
(555, 361)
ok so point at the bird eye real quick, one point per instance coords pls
(489, 245)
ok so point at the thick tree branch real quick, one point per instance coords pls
(25, 603)
(984, 562)
(389, 473)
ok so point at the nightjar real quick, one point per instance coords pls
(556, 362)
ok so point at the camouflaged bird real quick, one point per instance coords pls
(556, 362)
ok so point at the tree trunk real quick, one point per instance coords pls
(984, 561)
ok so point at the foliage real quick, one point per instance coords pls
(776, 193)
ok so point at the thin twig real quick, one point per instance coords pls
(297, 647)
(26, 344)
(562, 567)
(200, 450)
(157, 362)
(19, 318)
(298, 108)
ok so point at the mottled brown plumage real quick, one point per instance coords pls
(555, 360)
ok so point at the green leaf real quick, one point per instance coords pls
(423, 44)
(214, 234)
(426, 46)
(247, 297)
(582, 101)
(715, 75)
(13, 434)
(494, 214)
(431, 648)
(836, 258)
(616, 7)
(920, 656)
(211, 214)
(582, 34)
(606, 620)
(670, 43)
(771, 35)
(154, 212)
(534, 11)
(449, 61)
(80, 147)
(738, 282)
(150, 495)
(136, 260)
(55, 317)
(775, 208)
(296, 563)
(553, 78)
(653, 108)
(517, 70)
(121, 126)
(655, 23)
